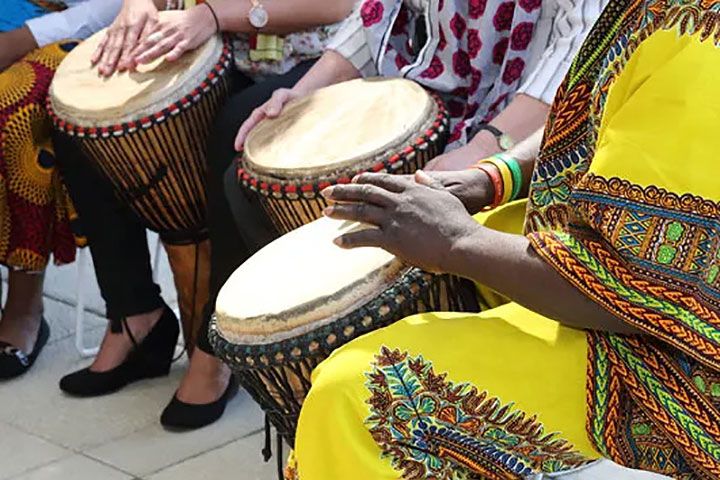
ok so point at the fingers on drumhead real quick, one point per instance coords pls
(370, 237)
(390, 182)
(358, 193)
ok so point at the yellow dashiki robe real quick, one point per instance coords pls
(624, 204)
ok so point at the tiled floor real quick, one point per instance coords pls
(45, 435)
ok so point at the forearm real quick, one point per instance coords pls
(526, 152)
(520, 119)
(508, 264)
(14, 45)
(330, 69)
(284, 16)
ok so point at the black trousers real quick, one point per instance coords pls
(237, 225)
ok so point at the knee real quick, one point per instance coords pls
(341, 376)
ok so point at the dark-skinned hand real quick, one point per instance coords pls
(472, 187)
(417, 219)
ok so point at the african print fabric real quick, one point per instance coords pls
(35, 211)
(624, 204)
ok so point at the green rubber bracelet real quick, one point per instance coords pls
(515, 171)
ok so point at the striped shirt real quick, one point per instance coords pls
(562, 28)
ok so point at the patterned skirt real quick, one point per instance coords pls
(35, 211)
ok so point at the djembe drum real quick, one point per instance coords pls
(328, 137)
(292, 303)
(147, 131)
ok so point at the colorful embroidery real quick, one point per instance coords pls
(667, 238)
(648, 255)
(430, 427)
(571, 132)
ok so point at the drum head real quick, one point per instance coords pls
(338, 126)
(300, 282)
(80, 96)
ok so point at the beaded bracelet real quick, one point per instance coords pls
(497, 182)
(515, 171)
(506, 177)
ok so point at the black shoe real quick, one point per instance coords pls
(179, 415)
(14, 362)
(151, 358)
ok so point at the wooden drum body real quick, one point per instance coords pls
(295, 301)
(328, 137)
(147, 131)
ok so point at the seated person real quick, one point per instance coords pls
(142, 332)
(607, 353)
(497, 64)
(34, 209)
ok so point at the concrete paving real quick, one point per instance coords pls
(46, 435)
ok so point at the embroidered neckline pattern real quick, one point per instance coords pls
(571, 132)
(430, 427)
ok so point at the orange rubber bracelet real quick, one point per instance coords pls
(506, 176)
(497, 182)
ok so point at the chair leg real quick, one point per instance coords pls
(80, 308)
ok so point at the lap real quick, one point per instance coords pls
(509, 358)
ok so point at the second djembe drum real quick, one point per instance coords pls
(328, 137)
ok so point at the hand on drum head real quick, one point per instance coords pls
(471, 186)
(270, 109)
(176, 33)
(136, 20)
(417, 219)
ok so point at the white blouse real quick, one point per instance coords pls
(81, 19)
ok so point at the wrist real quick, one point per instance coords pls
(204, 16)
(486, 143)
(464, 250)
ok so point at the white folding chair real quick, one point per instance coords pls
(82, 265)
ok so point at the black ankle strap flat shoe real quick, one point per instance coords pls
(181, 416)
(14, 362)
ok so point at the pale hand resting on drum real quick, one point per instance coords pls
(270, 109)
(418, 219)
(463, 157)
(136, 20)
(330, 69)
(175, 34)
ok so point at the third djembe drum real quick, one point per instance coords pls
(291, 304)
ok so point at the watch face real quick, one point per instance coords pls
(258, 16)
(505, 142)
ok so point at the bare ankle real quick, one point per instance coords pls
(141, 324)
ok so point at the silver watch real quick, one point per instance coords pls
(257, 16)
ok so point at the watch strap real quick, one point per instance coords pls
(504, 140)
